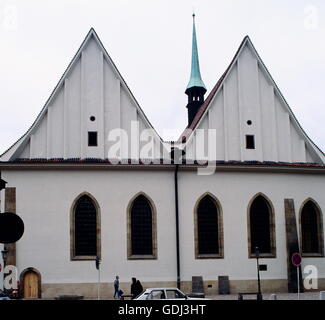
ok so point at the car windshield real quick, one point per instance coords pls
(143, 293)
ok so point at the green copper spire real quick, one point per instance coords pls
(195, 80)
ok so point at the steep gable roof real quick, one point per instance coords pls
(188, 133)
(19, 145)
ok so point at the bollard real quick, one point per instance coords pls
(273, 297)
(322, 295)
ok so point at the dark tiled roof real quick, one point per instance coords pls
(161, 162)
(79, 160)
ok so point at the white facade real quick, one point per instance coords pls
(234, 191)
(47, 183)
(46, 207)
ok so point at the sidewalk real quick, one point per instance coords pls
(266, 296)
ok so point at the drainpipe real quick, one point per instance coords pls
(177, 227)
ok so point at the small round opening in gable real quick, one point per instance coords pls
(249, 122)
(92, 118)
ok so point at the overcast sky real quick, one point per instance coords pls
(150, 43)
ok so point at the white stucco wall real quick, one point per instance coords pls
(44, 200)
(234, 191)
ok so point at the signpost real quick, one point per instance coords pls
(259, 294)
(296, 261)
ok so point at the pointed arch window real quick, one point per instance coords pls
(261, 228)
(85, 228)
(208, 229)
(142, 229)
(311, 230)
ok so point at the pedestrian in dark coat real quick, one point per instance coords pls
(134, 288)
(139, 287)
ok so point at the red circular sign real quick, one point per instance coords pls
(296, 259)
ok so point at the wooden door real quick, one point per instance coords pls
(31, 285)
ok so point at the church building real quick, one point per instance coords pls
(92, 178)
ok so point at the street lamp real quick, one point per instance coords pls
(98, 268)
(259, 294)
(4, 256)
(4, 253)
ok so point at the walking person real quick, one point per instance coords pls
(139, 287)
(134, 288)
(116, 287)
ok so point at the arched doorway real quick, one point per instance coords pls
(30, 280)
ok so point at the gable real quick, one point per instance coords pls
(90, 87)
(246, 93)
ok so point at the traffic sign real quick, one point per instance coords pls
(296, 259)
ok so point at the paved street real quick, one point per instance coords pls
(266, 296)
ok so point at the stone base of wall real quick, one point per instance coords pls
(236, 286)
(89, 290)
(267, 286)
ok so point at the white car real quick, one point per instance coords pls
(165, 294)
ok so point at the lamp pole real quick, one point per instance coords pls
(259, 294)
(98, 268)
